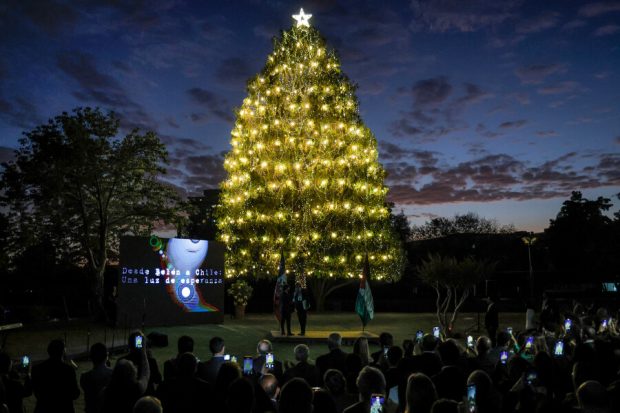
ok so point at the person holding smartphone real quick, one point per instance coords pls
(370, 381)
(138, 345)
(17, 386)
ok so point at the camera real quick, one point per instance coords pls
(419, 335)
(269, 361)
(471, 398)
(470, 342)
(531, 377)
(529, 342)
(248, 365)
(377, 401)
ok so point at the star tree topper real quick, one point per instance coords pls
(302, 18)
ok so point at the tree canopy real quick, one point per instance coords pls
(452, 281)
(583, 238)
(77, 186)
(303, 172)
(469, 223)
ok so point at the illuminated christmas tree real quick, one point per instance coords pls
(303, 175)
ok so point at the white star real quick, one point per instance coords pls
(302, 18)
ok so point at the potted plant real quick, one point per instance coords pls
(241, 292)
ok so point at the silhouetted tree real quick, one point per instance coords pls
(582, 238)
(469, 223)
(453, 281)
(78, 186)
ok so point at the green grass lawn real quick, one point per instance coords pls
(241, 336)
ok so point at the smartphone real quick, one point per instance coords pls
(559, 348)
(233, 359)
(248, 365)
(377, 401)
(436, 332)
(470, 342)
(529, 342)
(419, 335)
(138, 341)
(471, 398)
(531, 377)
(226, 357)
(385, 351)
(509, 330)
(568, 324)
(269, 360)
(25, 362)
(503, 357)
(605, 323)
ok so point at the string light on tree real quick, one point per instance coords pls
(303, 171)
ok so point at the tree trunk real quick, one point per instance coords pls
(322, 288)
(438, 302)
(458, 303)
(97, 291)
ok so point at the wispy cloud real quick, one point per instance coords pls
(216, 104)
(461, 16)
(537, 73)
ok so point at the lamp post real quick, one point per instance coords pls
(529, 240)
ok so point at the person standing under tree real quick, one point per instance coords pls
(300, 300)
(286, 307)
(491, 320)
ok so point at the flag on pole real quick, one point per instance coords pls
(364, 305)
(281, 280)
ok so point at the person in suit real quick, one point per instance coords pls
(335, 359)
(491, 319)
(302, 305)
(95, 380)
(286, 308)
(264, 347)
(208, 370)
(185, 344)
(302, 369)
(54, 382)
(184, 392)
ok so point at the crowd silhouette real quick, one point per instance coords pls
(569, 362)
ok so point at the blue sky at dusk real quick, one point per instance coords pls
(497, 107)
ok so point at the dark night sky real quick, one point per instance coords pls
(497, 107)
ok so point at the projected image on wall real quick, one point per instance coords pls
(182, 261)
(171, 280)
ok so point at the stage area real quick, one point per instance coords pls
(320, 336)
